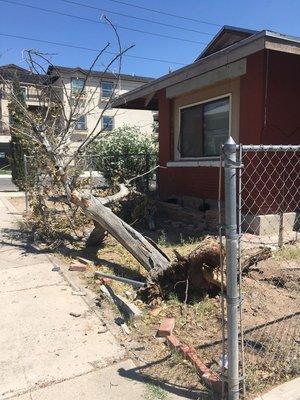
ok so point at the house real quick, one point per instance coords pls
(245, 84)
(31, 85)
(97, 91)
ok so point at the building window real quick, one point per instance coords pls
(107, 123)
(107, 89)
(23, 92)
(81, 123)
(77, 85)
(204, 128)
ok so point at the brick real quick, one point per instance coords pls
(173, 342)
(77, 267)
(166, 327)
(210, 378)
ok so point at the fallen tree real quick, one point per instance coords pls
(49, 131)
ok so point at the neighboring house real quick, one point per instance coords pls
(97, 91)
(69, 82)
(245, 84)
(31, 85)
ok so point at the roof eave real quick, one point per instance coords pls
(208, 63)
(260, 41)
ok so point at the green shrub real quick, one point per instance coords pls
(123, 154)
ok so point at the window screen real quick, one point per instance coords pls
(203, 128)
(77, 85)
(191, 131)
(108, 123)
(106, 89)
(81, 123)
(216, 126)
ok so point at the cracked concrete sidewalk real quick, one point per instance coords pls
(45, 352)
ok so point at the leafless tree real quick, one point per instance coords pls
(50, 132)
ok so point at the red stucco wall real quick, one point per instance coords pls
(270, 180)
(283, 99)
(273, 118)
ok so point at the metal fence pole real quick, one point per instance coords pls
(232, 297)
(26, 182)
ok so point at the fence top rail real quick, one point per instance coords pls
(101, 155)
(266, 147)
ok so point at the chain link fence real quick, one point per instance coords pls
(262, 203)
(269, 205)
(98, 172)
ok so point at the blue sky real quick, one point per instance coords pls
(277, 15)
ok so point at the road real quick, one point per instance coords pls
(6, 184)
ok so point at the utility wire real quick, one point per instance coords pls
(96, 21)
(137, 18)
(87, 48)
(166, 13)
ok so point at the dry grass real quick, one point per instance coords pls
(199, 322)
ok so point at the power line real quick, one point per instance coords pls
(99, 22)
(137, 18)
(87, 48)
(166, 13)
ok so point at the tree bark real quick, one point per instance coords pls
(149, 257)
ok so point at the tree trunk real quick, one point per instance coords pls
(164, 276)
(149, 256)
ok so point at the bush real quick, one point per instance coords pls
(124, 153)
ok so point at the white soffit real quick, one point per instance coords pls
(229, 71)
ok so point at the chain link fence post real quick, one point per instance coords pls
(232, 298)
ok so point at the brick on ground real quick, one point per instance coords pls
(76, 266)
(166, 327)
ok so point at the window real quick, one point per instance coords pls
(23, 91)
(77, 85)
(107, 123)
(81, 123)
(203, 128)
(107, 89)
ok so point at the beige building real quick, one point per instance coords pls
(98, 90)
(31, 86)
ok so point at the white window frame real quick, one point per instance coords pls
(106, 97)
(113, 122)
(209, 161)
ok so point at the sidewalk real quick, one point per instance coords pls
(287, 391)
(45, 352)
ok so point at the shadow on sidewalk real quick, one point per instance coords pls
(137, 374)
